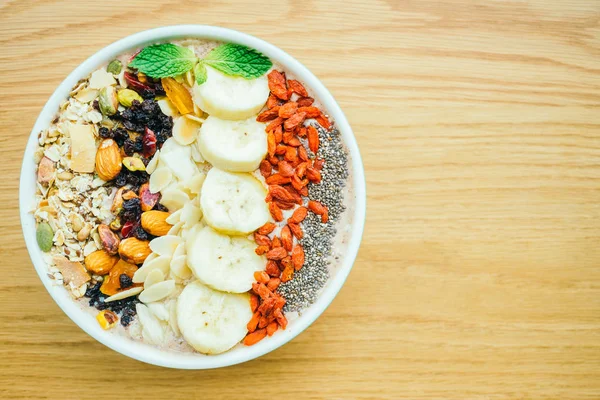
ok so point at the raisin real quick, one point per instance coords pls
(129, 147)
(140, 233)
(120, 135)
(93, 291)
(160, 207)
(121, 179)
(125, 281)
(105, 133)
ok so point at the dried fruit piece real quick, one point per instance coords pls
(291, 154)
(286, 238)
(278, 192)
(281, 319)
(318, 164)
(262, 240)
(273, 101)
(301, 169)
(260, 250)
(266, 228)
(107, 319)
(261, 277)
(316, 207)
(148, 143)
(287, 274)
(295, 195)
(313, 175)
(272, 328)
(287, 110)
(277, 84)
(271, 146)
(112, 283)
(100, 262)
(178, 95)
(325, 217)
(298, 215)
(294, 142)
(323, 121)
(134, 250)
(277, 179)
(297, 87)
(253, 302)
(298, 257)
(45, 172)
(253, 323)
(255, 337)
(311, 111)
(313, 139)
(44, 235)
(110, 241)
(298, 183)
(305, 101)
(265, 168)
(285, 169)
(278, 133)
(274, 124)
(148, 199)
(284, 205)
(277, 253)
(272, 268)
(276, 212)
(280, 149)
(296, 230)
(273, 284)
(268, 115)
(294, 121)
(154, 222)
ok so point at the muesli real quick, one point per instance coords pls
(188, 195)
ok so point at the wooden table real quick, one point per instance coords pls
(479, 271)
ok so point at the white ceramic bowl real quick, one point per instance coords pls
(141, 351)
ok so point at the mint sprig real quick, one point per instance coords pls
(164, 60)
(168, 60)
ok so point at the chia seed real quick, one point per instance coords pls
(304, 288)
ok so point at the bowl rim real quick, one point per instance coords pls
(141, 351)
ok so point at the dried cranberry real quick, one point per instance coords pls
(135, 84)
(149, 143)
(127, 229)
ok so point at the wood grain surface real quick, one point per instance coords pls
(479, 271)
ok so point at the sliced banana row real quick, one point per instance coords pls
(213, 308)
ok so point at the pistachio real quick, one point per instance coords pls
(107, 100)
(115, 225)
(44, 236)
(114, 67)
(127, 96)
(110, 241)
(134, 164)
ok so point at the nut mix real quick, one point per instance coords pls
(165, 179)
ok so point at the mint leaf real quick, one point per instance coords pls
(200, 73)
(164, 60)
(238, 60)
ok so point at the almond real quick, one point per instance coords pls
(134, 250)
(110, 240)
(108, 160)
(154, 222)
(100, 262)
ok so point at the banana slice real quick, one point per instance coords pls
(233, 203)
(237, 146)
(229, 97)
(223, 262)
(210, 321)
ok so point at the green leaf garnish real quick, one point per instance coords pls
(200, 73)
(168, 60)
(164, 60)
(238, 60)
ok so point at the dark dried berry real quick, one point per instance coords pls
(98, 302)
(105, 133)
(125, 281)
(160, 207)
(129, 147)
(121, 179)
(120, 135)
(131, 204)
(93, 291)
(141, 234)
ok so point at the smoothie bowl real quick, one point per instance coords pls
(192, 197)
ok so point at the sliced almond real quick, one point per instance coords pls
(165, 245)
(157, 291)
(176, 228)
(185, 130)
(174, 199)
(194, 184)
(160, 179)
(174, 217)
(161, 263)
(159, 310)
(180, 268)
(190, 215)
(167, 107)
(173, 318)
(151, 167)
(83, 148)
(179, 251)
(155, 276)
(101, 79)
(152, 330)
(124, 294)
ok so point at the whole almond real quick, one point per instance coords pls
(154, 222)
(134, 250)
(110, 240)
(108, 160)
(100, 262)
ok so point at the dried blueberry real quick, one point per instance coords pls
(125, 281)
(121, 179)
(105, 133)
(141, 234)
(93, 291)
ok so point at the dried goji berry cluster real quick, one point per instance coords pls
(287, 170)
